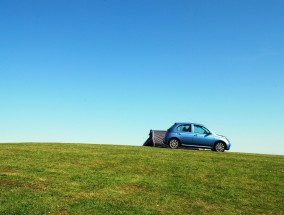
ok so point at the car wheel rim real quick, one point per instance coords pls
(173, 143)
(220, 147)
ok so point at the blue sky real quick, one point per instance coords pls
(108, 71)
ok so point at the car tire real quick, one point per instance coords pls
(219, 147)
(174, 143)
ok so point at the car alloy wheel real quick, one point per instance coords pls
(220, 147)
(174, 143)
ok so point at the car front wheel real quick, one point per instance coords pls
(174, 143)
(219, 147)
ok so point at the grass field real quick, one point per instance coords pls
(105, 179)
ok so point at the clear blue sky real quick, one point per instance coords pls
(108, 71)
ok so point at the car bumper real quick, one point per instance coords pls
(228, 146)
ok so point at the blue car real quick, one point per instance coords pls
(195, 135)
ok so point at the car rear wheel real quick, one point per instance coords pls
(219, 147)
(174, 143)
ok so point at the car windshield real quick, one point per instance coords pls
(212, 132)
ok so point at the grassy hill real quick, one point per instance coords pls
(105, 179)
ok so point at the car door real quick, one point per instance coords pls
(185, 134)
(202, 136)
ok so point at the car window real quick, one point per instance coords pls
(200, 130)
(184, 128)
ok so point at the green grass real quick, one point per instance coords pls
(105, 179)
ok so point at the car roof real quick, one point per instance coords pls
(180, 123)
